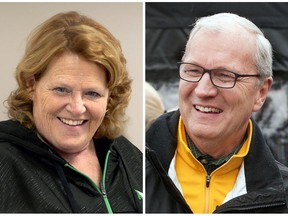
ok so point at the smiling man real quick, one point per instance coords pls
(210, 156)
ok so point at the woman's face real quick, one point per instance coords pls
(69, 102)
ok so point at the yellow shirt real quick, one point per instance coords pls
(192, 175)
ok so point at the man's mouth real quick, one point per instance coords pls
(207, 109)
(71, 122)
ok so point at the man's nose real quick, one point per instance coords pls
(205, 87)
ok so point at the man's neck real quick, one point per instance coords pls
(217, 148)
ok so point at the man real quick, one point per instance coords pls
(210, 156)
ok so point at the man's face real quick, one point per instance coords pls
(213, 113)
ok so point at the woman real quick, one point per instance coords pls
(153, 105)
(62, 149)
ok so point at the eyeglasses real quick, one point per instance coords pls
(221, 78)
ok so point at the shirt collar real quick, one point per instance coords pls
(209, 162)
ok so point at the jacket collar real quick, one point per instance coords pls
(166, 126)
(264, 188)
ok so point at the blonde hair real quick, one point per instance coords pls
(72, 32)
(154, 106)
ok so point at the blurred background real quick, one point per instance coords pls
(167, 28)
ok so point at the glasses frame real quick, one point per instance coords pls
(211, 70)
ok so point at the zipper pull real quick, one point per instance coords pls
(208, 180)
(104, 195)
(103, 189)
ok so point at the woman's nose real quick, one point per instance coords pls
(76, 106)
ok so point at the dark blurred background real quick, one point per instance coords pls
(167, 28)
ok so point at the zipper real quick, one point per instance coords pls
(208, 178)
(104, 194)
(207, 190)
(102, 184)
(102, 188)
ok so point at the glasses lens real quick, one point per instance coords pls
(190, 72)
(223, 78)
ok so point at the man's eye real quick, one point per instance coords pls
(225, 75)
(193, 72)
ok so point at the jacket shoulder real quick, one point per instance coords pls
(131, 157)
(161, 137)
(123, 146)
(284, 173)
(165, 123)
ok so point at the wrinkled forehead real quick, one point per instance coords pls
(232, 29)
(234, 36)
(221, 48)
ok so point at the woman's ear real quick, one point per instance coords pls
(30, 85)
(263, 90)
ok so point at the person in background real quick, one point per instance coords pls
(153, 104)
(210, 156)
(62, 150)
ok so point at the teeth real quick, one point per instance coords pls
(72, 122)
(207, 109)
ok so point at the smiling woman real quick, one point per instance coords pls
(65, 109)
(63, 144)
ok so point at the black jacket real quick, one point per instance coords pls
(34, 178)
(266, 179)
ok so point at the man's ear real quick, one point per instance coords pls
(263, 90)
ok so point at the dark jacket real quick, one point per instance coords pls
(34, 178)
(266, 179)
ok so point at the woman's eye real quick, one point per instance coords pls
(92, 94)
(61, 90)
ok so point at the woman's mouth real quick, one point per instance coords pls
(71, 122)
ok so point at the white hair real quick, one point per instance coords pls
(223, 21)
